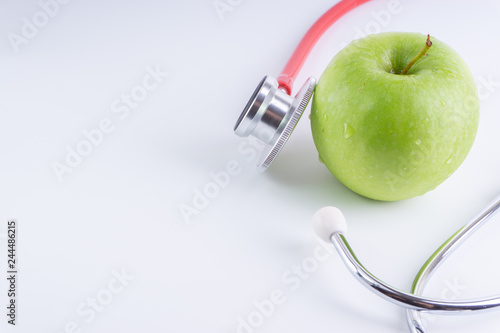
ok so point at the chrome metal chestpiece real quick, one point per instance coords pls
(271, 115)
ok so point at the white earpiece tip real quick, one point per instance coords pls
(327, 221)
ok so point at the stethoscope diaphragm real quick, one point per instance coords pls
(271, 115)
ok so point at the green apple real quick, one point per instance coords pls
(390, 135)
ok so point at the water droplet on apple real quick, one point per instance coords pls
(418, 142)
(449, 160)
(348, 131)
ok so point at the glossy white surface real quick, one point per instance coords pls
(249, 254)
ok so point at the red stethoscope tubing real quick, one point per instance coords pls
(299, 56)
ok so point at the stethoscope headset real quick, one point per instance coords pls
(271, 115)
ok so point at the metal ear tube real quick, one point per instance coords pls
(329, 224)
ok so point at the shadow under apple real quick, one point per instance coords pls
(308, 181)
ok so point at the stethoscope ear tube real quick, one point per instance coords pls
(330, 226)
(401, 298)
(413, 317)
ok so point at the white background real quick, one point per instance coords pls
(119, 209)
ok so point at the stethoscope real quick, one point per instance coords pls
(271, 115)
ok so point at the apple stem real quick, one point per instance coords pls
(420, 54)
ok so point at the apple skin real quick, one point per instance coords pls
(389, 136)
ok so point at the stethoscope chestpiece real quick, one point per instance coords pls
(271, 115)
